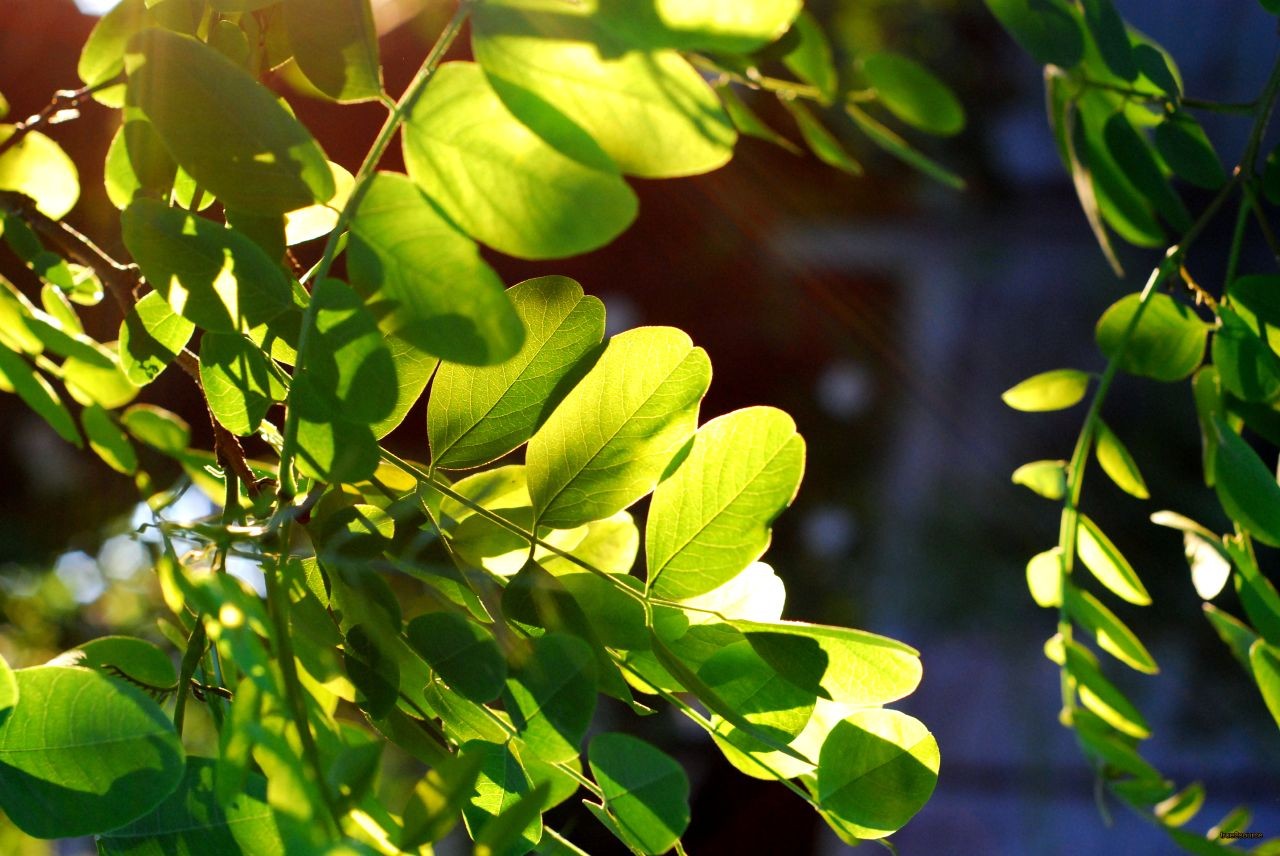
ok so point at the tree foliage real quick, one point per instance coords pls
(525, 604)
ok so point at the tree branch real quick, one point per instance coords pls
(64, 107)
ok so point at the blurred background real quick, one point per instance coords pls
(886, 313)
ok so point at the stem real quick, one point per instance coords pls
(277, 604)
(1149, 97)
(63, 100)
(1237, 241)
(363, 178)
(1260, 216)
(190, 658)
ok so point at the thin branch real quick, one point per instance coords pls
(64, 107)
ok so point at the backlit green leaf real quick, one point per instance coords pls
(913, 93)
(83, 753)
(1186, 149)
(877, 769)
(414, 368)
(1247, 365)
(1112, 634)
(1180, 808)
(107, 440)
(38, 394)
(821, 141)
(1054, 390)
(645, 790)
(1235, 634)
(193, 821)
(1044, 578)
(158, 428)
(650, 111)
(742, 678)
(476, 415)
(425, 281)
(151, 336)
(1133, 154)
(501, 783)
(1265, 661)
(1101, 696)
(554, 695)
(1046, 478)
(1117, 463)
(838, 663)
(223, 127)
(608, 442)
(8, 689)
(438, 798)
(1246, 487)
(1167, 344)
(461, 652)
(336, 46)
(1109, 32)
(211, 275)
(505, 185)
(237, 381)
(747, 122)
(39, 168)
(810, 59)
(1107, 563)
(345, 358)
(711, 518)
(93, 375)
(1046, 29)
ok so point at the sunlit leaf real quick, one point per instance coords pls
(158, 428)
(1180, 808)
(1246, 487)
(38, 167)
(501, 784)
(223, 127)
(1247, 366)
(913, 93)
(476, 415)
(1117, 463)
(820, 140)
(38, 394)
(83, 753)
(1108, 564)
(336, 46)
(1053, 390)
(711, 518)
(810, 59)
(1101, 696)
(1166, 344)
(1044, 578)
(554, 695)
(611, 438)
(438, 798)
(1046, 478)
(1112, 634)
(1265, 662)
(877, 769)
(151, 336)
(425, 281)
(107, 440)
(645, 790)
(238, 383)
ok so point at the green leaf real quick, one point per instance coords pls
(237, 380)
(39, 395)
(501, 784)
(877, 769)
(900, 149)
(912, 93)
(1044, 578)
(1167, 344)
(373, 669)
(726, 26)
(1112, 38)
(1112, 634)
(810, 59)
(1124, 208)
(505, 185)
(461, 652)
(1247, 365)
(1264, 659)
(158, 428)
(135, 660)
(345, 357)
(103, 56)
(645, 790)
(554, 695)
(193, 821)
(1046, 478)
(741, 678)
(838, 663)
(820, 141)
(1101, 696)
(711, 518)
(92, 375)
(1180, 808)
(1157, 69)
(82, 753)
(213, 276)
(1117, 463)
(1255, 300)
(1206, 389)
(1246, 487)
(504, 833)
(1046, 29)
(336, 46)
(38, 167)
(747, 122)
(1107, 563)
(609, 441)
(650, 111)
(1234, 633)
(1186, 149)
(108, 441)
(425, 281)
(477, 415)
(438, 798)
(8, 690)
(224, 128)
(151, 336)
(414, 368)
(1132, 154)
(1053, 390)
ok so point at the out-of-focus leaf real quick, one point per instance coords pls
(913, 93)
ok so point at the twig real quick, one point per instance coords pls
(64, 107)
(122, 280)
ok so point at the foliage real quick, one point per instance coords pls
(1131, 141)
(469, 609)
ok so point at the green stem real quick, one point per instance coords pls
(1260, 216)
(1237, 242)
(277, 606)
(190, 658)
(1149, 97)
(363, 178)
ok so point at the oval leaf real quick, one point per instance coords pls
(1106, 562)
(711, 518)
(1246, 487)
(554, 695)
(461, 652)
(913, 94)
(1167, 344)
(336, 45)
(1054, 390)
(645, 790)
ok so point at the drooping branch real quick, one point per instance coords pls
(122, 281)
(64, 107)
